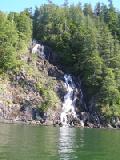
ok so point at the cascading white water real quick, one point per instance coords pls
(39, 49)
(69, 100)
(68, 109)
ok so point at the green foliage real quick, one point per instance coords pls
(87, 9)
(15, 36)
(23, 26)
(15, 33)
(87, 42)
(8, 41)
(50, 98)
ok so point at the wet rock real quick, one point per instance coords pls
(82, 123)
(84, 116)
(89, 125)
(54, 72)
(109, 126)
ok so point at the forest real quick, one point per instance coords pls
(86, 40)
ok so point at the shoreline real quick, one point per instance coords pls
(48, 124)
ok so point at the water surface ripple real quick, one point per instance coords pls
(18, 142)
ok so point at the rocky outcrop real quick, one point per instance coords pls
(23, 92)
(34, 93)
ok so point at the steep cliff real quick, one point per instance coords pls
(32, 91)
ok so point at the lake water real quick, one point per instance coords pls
(18, 142)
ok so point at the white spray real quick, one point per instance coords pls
(39, 49)
(69, 100)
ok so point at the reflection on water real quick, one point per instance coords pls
(68, 143)
(50, 143)
(19, 142)
(4, 141)
(82, 135)
(4, 135)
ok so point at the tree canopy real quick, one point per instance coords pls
(15, 33)
(86, 40)
(88, 43)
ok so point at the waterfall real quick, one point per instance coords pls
(69, 100)
(39, 49)
(68, 115)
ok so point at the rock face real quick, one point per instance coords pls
(25, 93)
(34, 93)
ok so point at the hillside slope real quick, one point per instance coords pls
(32, 90)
